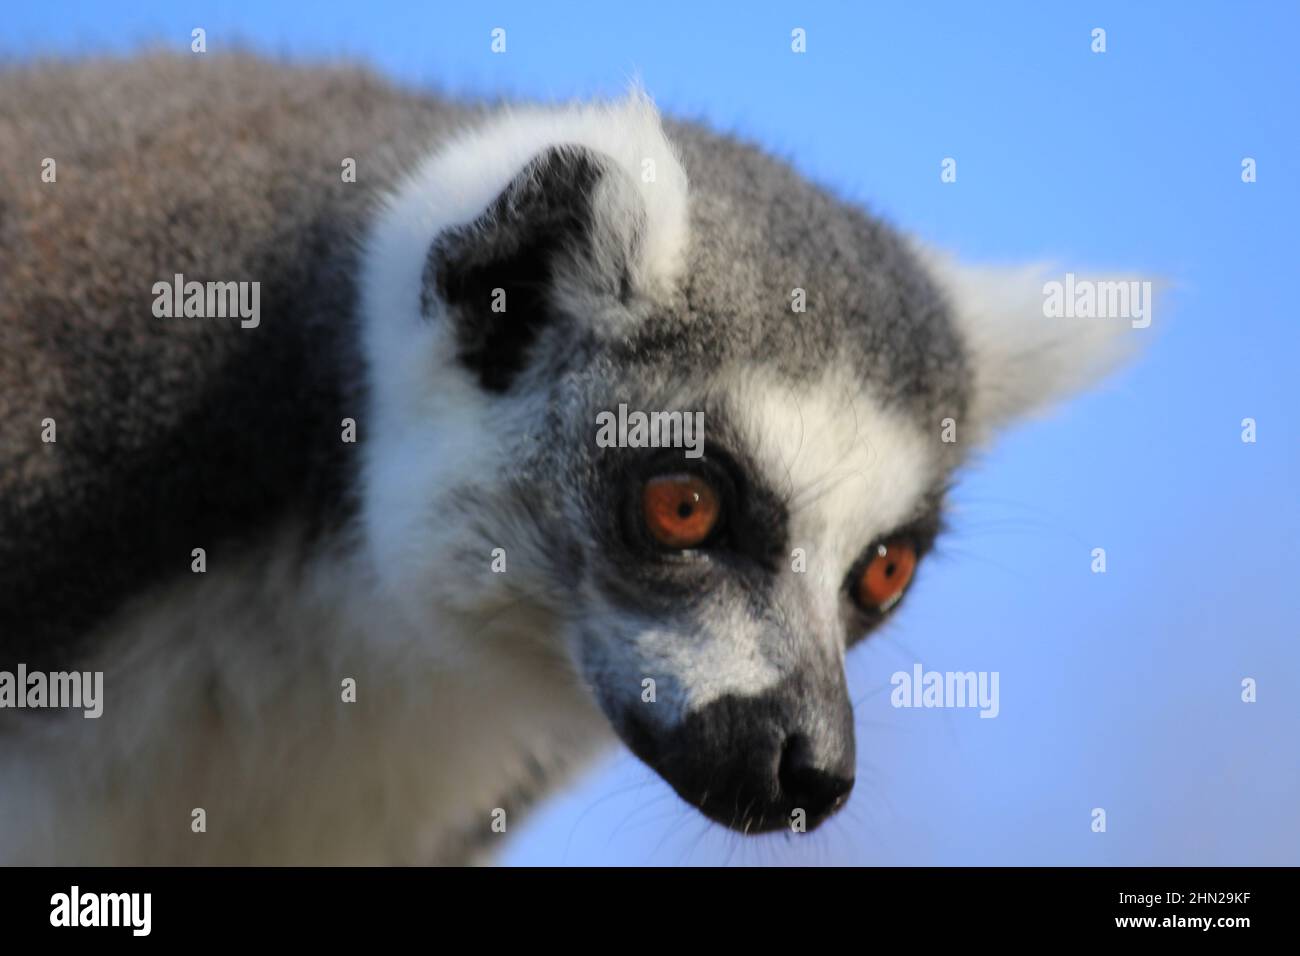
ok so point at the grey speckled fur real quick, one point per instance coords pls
(171, 434)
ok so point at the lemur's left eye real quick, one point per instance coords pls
(885, 575)
(681, 510)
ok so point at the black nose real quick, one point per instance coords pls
(781, 760)
(816, 787)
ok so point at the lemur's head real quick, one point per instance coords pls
(551, 266)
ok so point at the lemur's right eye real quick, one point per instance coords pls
(680, 510)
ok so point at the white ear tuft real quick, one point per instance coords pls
(457, 183)
(1037, 334)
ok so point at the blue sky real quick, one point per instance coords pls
(1120, 690)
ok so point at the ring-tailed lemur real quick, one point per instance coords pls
(356, 570)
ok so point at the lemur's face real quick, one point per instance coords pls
(706, 595)
(717, 595)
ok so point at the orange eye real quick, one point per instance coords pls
(680, 510)
(886, 575)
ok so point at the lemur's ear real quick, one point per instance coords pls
(1028, 346)
(561, 238)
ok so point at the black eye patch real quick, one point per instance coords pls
(753, 526)
(747, 551)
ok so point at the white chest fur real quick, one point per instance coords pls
(226, 694)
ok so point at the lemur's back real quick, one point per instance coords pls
(174, 433)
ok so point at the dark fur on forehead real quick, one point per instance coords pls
(758, 231)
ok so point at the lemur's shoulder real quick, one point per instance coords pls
(175, 433)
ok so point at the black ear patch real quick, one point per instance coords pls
(545, 218)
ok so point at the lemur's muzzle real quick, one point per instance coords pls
(782, 759)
